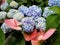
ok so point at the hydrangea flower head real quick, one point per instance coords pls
(27, 28)
(28, 24)
(14, 4)
(47, 12)
(23, 9)
(40, 23)
(5, 28)
(11, 13)
(4, 6)
(2, 14)
(34, 11)
(28, 20)
(54, 3)
(18, 16)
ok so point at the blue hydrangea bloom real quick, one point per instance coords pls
(4, 6)
(28, 28)
(5, 28)
(11, 13)
(47, 12)
(3, 15)
(54, 3)
(34, 11)
(23, 9)
(40, 23)
(28, 20)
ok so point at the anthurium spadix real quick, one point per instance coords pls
(12, 23)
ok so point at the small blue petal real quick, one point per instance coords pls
(28, 20)
(34, 11)
(47, 12)
(23, 9)
(54, 3)
(28, 28)
(40, 23)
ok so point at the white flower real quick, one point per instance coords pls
(11, 13)
(47, 12)
(5, 28)
(4, 6)
(40, 23)
(14, 4)
(2, 14)
(18, 16)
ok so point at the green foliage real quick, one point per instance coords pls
(2, 37)
(56, 9)
(52, 21)
(38, 1)
(15, 38)
(55, 39)
(9, 1)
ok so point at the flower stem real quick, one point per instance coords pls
(36, 42)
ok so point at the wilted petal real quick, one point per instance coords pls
(29, 37)
(12, 23)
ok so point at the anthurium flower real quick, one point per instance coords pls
(38, 36)
(12, 23)
(29, 37)
(2, 1)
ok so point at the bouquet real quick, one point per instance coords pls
(33, 22)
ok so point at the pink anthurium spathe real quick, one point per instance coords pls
(12, 23)
(39, 36)
(47, 34)
(29, 37)
(2, 1)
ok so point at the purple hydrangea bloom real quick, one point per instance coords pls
(34, 11)
(28, 28)
(40, 23)
(54, 3)
(28, 24)
(28, 20)
(23, 9)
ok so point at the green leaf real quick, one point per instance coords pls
(15, 38)
(52, 21)
(56, 9)
(9, 1)
(38, 1)
(24, 1)
(2, 37)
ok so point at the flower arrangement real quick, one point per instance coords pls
(35, 22)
